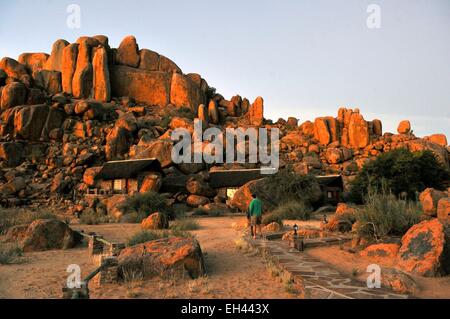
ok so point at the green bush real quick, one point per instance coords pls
(294, 210)
(288, 186)
(184, 224)
(9, 255)
(91, 217)
(145, 204)
(401, 171)
(149, 235)
(384, 214)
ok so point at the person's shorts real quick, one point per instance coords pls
(255, 220)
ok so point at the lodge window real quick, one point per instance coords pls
(231, 192)
(329, 195)
(118, 185)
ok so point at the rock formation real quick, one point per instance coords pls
(62, 115)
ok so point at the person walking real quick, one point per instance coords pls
(255, 212)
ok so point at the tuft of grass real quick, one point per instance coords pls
(91, 217)
(133, 279)
(14, 216)
(184, 224)
(149, 235)
(384, 214)
(10, 255)
(296, 210)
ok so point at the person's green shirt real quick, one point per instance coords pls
(255, 207)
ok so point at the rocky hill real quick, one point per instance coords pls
(63, 115)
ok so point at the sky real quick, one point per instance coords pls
(306, 58)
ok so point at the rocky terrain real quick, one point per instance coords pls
(66, 113)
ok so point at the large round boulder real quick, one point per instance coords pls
(429, 199)
(173, 257)
(46, 234)
(155, 221)
(425, 249)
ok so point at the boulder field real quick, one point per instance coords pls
(65, 113)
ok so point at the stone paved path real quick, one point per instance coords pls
(320, 280)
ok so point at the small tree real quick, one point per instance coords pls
(402, 171)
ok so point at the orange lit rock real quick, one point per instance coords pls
(167, 65)
(68, 66)
(196, 200)
(33, 61)
(29, 121)
(102, 87)
(358, 131)
(89, 175)
(425, 249)
(172, 257)
(15, 70)
(49, 81)
(149, 87)
(184, 92)
(54, 62)
(443, 210)
(272, 228)
(213, 112)
(159, 149)
(13, 94)
(155, 221)
(429, 199)
(149, 60)
(151, 182)
(404, 127)
(128, 52)
(83, 77)
(256, 112)
(439, 139)
(307, 128)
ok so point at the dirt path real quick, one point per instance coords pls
(231, 273)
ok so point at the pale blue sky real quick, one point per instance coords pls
(305, 57)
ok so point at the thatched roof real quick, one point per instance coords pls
(331, 180)
(128, 168)
(234, 177)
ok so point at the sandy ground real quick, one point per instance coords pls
(348, 263)
(230, 272)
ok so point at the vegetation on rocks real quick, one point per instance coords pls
(385, 215)
(288, 186)
(184, 224)
(142, 205)
(402, 172)
(149, 235)
(9, 255)
(14, 216)
(91, 217)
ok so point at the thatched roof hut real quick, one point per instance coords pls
(127, 169)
